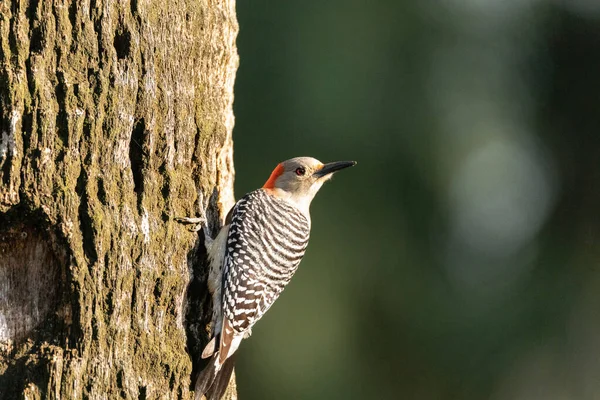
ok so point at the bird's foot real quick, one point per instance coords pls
(195, 222)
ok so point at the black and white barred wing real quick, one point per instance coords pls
(266, 242)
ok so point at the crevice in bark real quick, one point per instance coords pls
(122, 43)
(27, 127)
(136, 158)
(31, 9)
(92, 9)
(120, 385)
(62, 118)
(165, 191)
(12, 38)
(85, 219)
(102, 192)
(133, 6)
(36, 35)
(93, 78)
(6, 178)
(73, 15)
(198, 306)
(35, 42)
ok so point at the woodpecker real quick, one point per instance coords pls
(254, 257)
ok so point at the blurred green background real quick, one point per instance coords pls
(460, 258)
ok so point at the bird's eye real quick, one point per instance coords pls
(300, 171)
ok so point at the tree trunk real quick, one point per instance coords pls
(115, 117)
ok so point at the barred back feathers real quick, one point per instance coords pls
(266, 242)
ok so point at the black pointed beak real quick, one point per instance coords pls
(332, 167)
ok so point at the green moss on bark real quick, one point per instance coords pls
(115, 117)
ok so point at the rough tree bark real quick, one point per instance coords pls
(115, 117)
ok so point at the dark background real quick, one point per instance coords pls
(460, 258)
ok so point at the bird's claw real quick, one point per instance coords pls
(196, 222)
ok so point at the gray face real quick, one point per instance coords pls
(299, 176)
(299, 179)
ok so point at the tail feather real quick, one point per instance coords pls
(221, 382)
(212, 381)
(206, 377)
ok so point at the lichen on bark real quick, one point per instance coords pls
(115, 117)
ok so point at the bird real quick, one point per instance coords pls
(253, 258)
